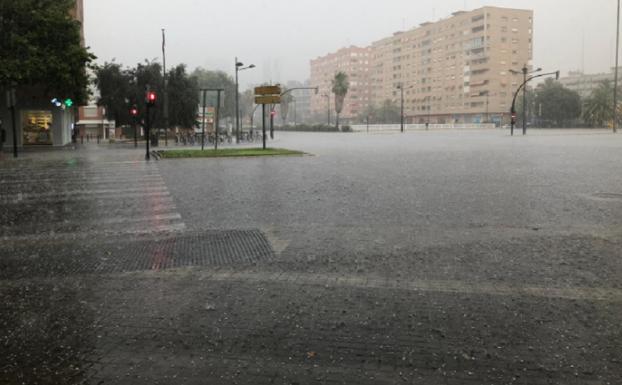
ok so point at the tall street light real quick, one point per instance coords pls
(615, 85)
(327, 96)
(522, 86)
(401, 88)
(525, 72)
(239, 66)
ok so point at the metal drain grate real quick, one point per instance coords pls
(210, 248)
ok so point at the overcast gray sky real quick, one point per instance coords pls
(281, 36)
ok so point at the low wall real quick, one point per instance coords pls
(422, 127)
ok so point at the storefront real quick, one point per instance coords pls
(37, 121)
(37, 127)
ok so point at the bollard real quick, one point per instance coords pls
(97, 139)
(81, 139)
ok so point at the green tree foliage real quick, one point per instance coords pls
(558, 104)
(340, 86)
(115, 87)
(218, 79)
(597, 108)
(183, 95)
(120, 88)
(40, 45)
(532, 112)
(387, 113)
(284, 106)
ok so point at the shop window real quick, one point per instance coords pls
(37, 127)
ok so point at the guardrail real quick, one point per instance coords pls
(422, 127)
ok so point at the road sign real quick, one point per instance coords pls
(268, 90)
(271, 99)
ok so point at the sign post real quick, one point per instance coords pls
(267, 95)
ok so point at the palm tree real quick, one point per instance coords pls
(340, 85)
(597, 110)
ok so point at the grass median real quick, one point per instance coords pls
(229, 153)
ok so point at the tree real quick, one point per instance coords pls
(40, 45)
(387, 113)
(340, 86)
(597, 109)
(218, 79)
(559, 104)
(532, 111)
(120, 88)
(183, 95)
(284, 106)
(115, 87)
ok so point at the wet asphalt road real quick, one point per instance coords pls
(428, 258)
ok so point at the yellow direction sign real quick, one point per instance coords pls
(271, 99)
(268, 90)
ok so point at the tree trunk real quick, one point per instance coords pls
(337, 122)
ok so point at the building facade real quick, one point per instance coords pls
(355, 62)
(584, 84)
(455, 70)
(38, 120)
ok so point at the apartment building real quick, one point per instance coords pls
(584, 83)
(455, 70)
(355, 62)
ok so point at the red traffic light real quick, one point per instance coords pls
(151, 98)
(273, 113)
(134, 111)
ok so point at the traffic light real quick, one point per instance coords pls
(151, 98)
(68, 102)
(513, 117)
(134, 111)
(273, 114)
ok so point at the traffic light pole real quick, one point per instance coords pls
(147, 131)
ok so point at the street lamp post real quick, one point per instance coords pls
(401, 88)
(523, 86)
(525, 72)
(615, 85)
(239, 66)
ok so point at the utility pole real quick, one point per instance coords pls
(615, 83)
(165, 90)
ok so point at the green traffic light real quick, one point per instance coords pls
(68, 102)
